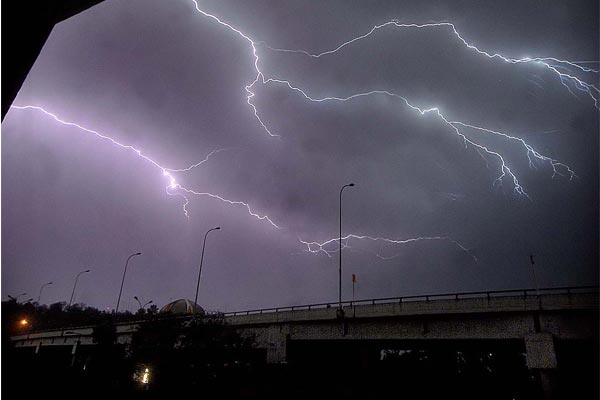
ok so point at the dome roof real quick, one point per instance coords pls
(181, 306)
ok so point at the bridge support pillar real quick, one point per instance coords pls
(278, 338)
(541, 358)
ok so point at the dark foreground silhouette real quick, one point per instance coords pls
(205, 357)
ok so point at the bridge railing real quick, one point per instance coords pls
(490, 294)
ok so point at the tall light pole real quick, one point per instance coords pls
(200, 270)
(40, 295)
(340, 280)
(123, 280)
(535, 281)
(75, 285)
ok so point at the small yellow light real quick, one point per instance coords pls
(146, 376)
(23, 322)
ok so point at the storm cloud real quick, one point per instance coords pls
(162, 77)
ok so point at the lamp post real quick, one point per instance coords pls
(535, 281)
(200, 270)
(138, 300)
(140, 303)
(40, 295)
(340, 275)
(75, 285)
(15, 298)
(123, 280)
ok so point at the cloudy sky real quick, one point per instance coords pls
(388, 111)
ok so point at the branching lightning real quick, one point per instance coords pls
(563, 69)
(331, 246)
(173, 188)
(553, 64)
(558, 167)
(259, 75)
(191, 167)
(504, 168)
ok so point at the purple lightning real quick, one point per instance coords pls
(167, 172)
(199, 163)
(562, 69)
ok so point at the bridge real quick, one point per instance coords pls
(540, 322)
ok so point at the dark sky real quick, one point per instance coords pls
(162, 77)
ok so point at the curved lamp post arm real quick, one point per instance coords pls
(138, 300)
(140, 303)
(200, 270)
(123, 280)
(42, 287)
(75, 285)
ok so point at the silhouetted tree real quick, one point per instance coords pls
(153, 309)
(187, 355)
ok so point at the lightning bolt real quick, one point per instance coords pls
(557, 166)
(551, 63)
(561, 68)
(555, 65)
(504, 168)
(505, 171)
(191, 167)
(331, 246)
(173, 188)
(259, 75)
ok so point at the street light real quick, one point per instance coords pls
(535, 281)
(75, 285)
(15, 298)
(140, 303)
(40, 295)
(122, 281)
(340, 275)
(200, 271)
(138, 300)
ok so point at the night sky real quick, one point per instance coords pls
(170, 81)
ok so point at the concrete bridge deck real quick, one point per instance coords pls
(562, 312)
(539, 321)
